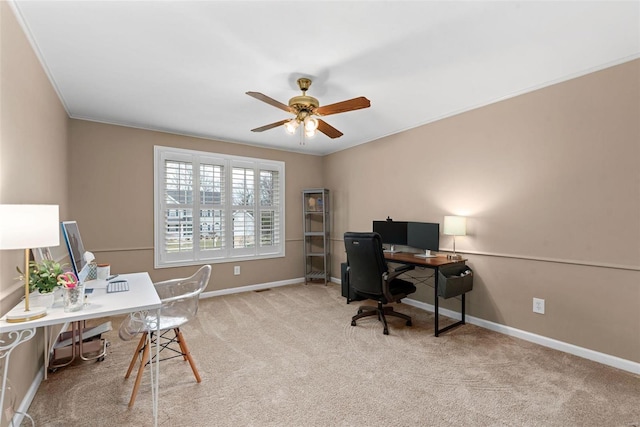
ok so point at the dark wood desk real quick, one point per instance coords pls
(434, 264)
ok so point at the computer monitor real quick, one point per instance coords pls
(391, 232)
(74, 245)
(423, 235)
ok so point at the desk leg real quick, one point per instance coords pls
(16, 338)
(438, 331)
(46, 351)
(463, 322)
(154, 368)
(435, 302)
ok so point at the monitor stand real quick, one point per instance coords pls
(426, 254)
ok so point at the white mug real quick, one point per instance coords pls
(104, 270)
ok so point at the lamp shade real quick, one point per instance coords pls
(455, 225)
(29, 226)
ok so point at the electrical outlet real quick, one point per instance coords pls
(538, 305)
(236, 270)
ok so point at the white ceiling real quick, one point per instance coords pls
(184, 66)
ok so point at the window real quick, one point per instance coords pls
(215, 208)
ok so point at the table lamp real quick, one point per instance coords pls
(455, 226)
(27, 227)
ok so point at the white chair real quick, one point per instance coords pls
(179, 305)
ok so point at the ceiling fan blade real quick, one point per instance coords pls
(344, 106)
(264, 98)
(271, 126)
(328, 130)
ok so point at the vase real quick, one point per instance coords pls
(74, 298)
(42, 299)
(58, 299)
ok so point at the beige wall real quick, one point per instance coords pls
(551, 174)
(33, 168)
(111, 192)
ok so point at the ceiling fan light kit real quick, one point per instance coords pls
(304, 107)
(291, 126)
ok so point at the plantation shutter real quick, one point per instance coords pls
(177, 208)
(269, 209)
(214, 207)
(212, 220)
(243, 211)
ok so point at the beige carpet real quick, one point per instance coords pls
(290, 357)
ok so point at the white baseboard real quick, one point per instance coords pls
(251, 288)
(605, 359)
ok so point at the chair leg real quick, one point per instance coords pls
(136, 386)
(394, 313)
(382, 317)
(186, 354)
(144, 348)
(180, 341)
(142, 341)
(380, 311)
(364, 312)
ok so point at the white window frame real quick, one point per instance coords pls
(164, 259)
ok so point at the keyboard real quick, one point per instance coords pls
(117, 286)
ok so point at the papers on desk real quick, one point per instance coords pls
(425, 256)
(96, 284)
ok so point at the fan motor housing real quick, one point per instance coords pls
(303, 102)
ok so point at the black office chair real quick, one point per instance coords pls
(370, 277)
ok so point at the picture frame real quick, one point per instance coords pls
(75, 247)
(42, 254)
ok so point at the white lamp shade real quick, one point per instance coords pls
(455, 225)
(29, 226)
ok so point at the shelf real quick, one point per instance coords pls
(316, 232)
(316, 275)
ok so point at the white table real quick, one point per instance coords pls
(141, 296)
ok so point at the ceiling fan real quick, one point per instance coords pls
(305, 107)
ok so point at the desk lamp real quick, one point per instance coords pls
(455, 226)
(26, 227)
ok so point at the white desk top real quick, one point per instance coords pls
(141, 295)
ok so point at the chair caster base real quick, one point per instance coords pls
(380, 312)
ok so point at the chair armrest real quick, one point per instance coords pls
(398, 271)
(180, 297)
(167, 282)
(176, 289)
(388, 276)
